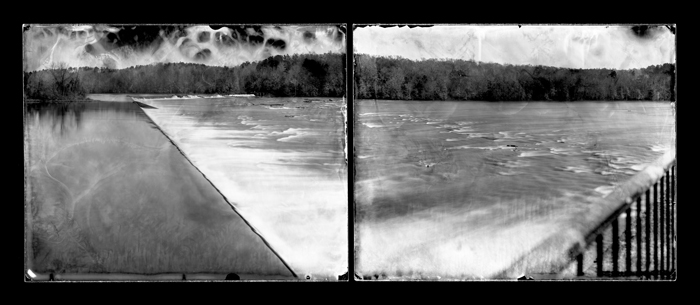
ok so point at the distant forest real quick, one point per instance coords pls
(399, 78)
(313, 75)
(307, 75)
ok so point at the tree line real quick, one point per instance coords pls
(308, 75)
(378, 77)
(313, 75)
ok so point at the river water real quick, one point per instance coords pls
(108, 192)
(461, 189)
(279, 161)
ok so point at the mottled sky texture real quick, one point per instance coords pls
(619, 47)
(122, 46)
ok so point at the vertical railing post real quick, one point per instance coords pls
(648, 232)
(673, 217)
(615, 246)
(579, 264)
(656, 230)
(661, 227)
(628, 242)
(668, 222)
(639, 235)
(599, 254)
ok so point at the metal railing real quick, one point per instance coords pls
(648, 239)
(633, 230)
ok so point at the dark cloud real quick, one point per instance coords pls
(224, 39)
(276, 43)
(186, 43)
(203, 55)
(141, 36)
(62, 30)
(89, 49)
(309, 37)
(241, 32)
(118, 46)
(646, 31)
(255, 39)
(203, 36)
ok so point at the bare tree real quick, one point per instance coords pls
(66, 82)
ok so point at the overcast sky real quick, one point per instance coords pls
(121, 46)
(619, 47)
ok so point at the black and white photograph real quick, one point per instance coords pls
(343, 152)
(514, 151)
(174, 152)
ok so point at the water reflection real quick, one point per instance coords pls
(107, 192)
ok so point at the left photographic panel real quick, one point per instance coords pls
(185, 152)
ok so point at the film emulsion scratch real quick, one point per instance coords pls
(202, 152)
(503, 152)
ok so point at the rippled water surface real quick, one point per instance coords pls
(279, 161)
(462, 188)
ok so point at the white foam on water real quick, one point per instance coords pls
(517, 163)
(374, 125)
(174, 97)
(659, 148)
(298, 210)
(480, 134)
(481, 147)
(577, 169)
(294, 134)
(508, 134)
(605, 190)
(434, 121)
(616, 166)
(511, 173)
(536, 153)
(563, 151)
(452, 140)
(462, 130)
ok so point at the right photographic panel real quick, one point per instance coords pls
(517, 151)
